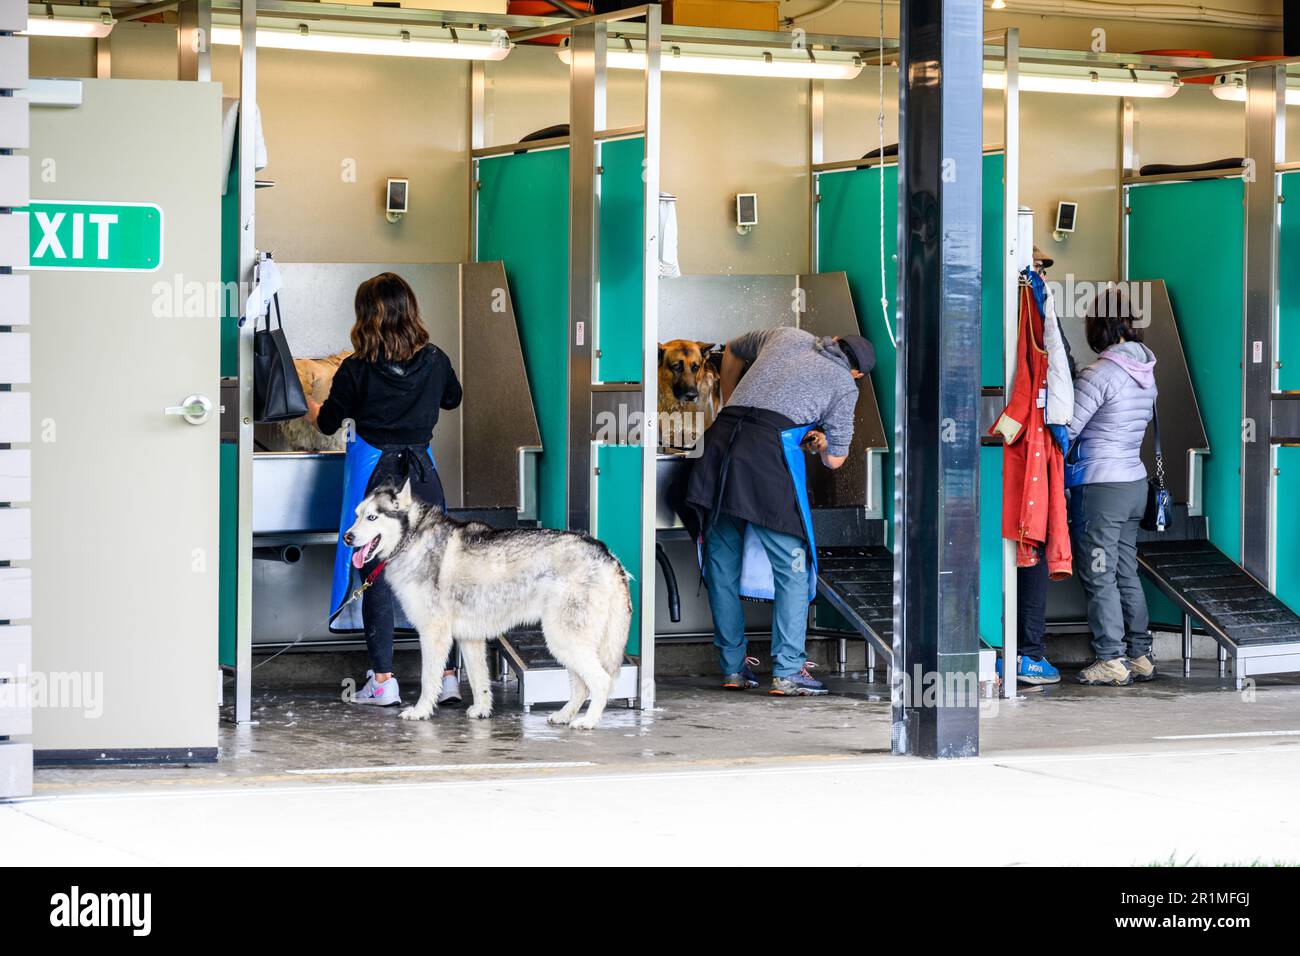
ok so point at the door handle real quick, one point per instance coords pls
(195, 409)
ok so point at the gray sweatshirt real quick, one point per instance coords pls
(1114, 399)
(800, 376)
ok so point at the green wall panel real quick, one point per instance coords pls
(991, 545)
(523, 210)
(622, 206)
(1205, 289)
(1288, 376)
(1288, 526)
(848, 237)
(228, 518)
(228, 552)
(618, 518)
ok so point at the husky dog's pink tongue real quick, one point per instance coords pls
(362, 554)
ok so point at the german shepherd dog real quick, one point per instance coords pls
(469, 582)
(689, 385)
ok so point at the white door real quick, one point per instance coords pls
(125, 495)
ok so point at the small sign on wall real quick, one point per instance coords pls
(95, 236)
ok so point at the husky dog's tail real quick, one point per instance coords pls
(614, 641)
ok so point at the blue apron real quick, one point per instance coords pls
(756, 581)
(358, 469)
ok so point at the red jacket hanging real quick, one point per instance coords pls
(1033, 468)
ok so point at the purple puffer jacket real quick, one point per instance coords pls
(1114, 399)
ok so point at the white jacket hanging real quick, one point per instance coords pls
(1060, 386)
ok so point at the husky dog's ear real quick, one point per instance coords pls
(404, 495)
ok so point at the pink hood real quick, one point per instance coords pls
(1134, 358)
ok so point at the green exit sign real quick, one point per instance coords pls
(95, 236)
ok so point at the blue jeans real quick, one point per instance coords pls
(788, 555)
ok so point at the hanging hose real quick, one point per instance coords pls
(880, 130)
(670, 582)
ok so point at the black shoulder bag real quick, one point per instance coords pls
(1156, 516)
(277, 392)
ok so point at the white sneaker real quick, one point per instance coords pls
(450, 692)
(383, 695)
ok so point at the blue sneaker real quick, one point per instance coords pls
(745, 679)
(802, 684)
(1030, 670)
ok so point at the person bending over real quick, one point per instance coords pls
(749, 495)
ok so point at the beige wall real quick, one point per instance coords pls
(398, 117)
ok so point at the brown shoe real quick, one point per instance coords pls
(1108, 673)
(1143, 668)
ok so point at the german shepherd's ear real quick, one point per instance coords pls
(661, 354)
(707, 347)
(404, 498)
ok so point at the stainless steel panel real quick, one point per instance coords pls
(586, 116)
(498, 416)
(718, 308)
(830, 312)
(1265, 146)
(1181, 427)
(1286, 418)
(297, 491)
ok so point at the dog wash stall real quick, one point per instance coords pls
(1231, 565)
(498, 454)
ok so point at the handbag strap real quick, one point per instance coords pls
(1160, 458)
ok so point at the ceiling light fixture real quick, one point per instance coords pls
(1096, 82)
(47, 20)
(1233, 89)
(716, 60)
(446, 44)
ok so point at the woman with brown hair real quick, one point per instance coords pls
(392, 387)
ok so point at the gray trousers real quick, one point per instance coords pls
(1103, 533)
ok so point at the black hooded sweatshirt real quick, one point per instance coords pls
(392, 403)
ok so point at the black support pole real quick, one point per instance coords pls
(936, 560)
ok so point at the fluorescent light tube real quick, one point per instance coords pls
(1088, 85)
(734, 61)
(1235, 91)
(465, 46)
(68, 21)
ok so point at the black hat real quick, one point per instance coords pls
(860, 352)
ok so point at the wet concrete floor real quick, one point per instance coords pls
(304, 735)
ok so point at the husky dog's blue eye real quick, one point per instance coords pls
(371, 517)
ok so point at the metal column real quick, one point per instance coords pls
(247, 257)
(935, 686)
(816, 156)
(194, 40)
(586, 119)
(1265, 139)
(650, 355)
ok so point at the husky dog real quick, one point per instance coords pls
(470, 582)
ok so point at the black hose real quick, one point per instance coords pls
(670, 581)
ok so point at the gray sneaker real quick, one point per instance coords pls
(1108, 673)
(1143, 668)
(381, 695)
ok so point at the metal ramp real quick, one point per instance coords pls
(1254, 628)
(859, 583)
(542, 679)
